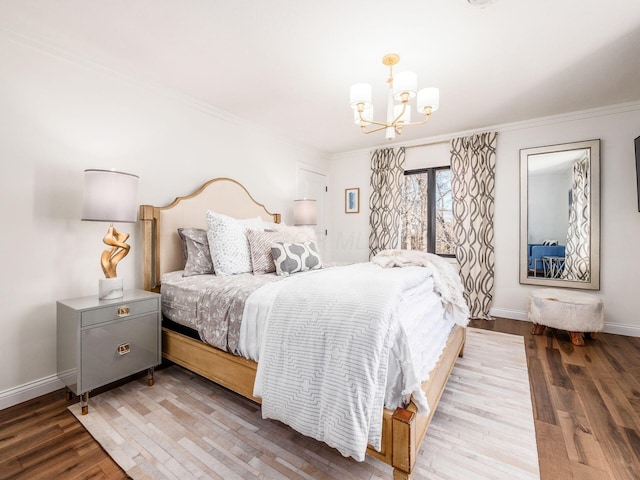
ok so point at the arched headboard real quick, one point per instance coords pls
(162, 250)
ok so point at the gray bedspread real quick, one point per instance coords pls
(211, 305)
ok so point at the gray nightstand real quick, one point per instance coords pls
(101, 341)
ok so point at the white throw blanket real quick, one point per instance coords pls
(324, 359)
(446, 280)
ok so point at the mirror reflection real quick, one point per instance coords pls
(560, 215)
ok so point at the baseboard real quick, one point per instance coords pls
(507, 313)
(620, 329)
(30, 390)
(616, 328)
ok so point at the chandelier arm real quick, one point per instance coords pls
(421, 122)
(362, 128)
(365, 121)
(382, 124)
(394, 122)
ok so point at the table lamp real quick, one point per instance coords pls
(305, 212)
(111, 196)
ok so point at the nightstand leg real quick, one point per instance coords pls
(68, 394)
(150, 376)
(84, 402)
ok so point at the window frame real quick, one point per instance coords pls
(431, 205)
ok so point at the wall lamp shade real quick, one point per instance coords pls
(111, 196)
(305, 212)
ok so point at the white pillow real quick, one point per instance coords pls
(228, 243)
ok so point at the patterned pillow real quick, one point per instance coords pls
(550, 243)
(228, 243)
(198, 256)
(295, 257)
(260, 247)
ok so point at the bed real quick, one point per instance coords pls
(402, 429)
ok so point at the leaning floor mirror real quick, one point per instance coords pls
(560, 215)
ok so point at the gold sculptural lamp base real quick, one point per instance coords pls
(111, 286)
(119, 249)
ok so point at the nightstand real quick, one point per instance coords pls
(101, 341)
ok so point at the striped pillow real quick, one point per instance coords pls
(260, 247)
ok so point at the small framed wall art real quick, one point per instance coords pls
(352, 200)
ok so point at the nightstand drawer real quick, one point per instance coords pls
(118, 349)
(119, 310)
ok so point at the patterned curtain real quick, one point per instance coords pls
(577, 265)
(473, 165)
(385, 202)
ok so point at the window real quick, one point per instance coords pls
(428, 211)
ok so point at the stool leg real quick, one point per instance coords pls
(577, 338)
(537, 329)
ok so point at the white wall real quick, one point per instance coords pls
(548, 210)
(59, 116)
(349, 232)
(616, 127)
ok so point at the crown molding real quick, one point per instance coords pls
(504, 127)
(47, 48)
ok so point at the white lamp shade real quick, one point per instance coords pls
(305, 212)
(360, 93)
(389, 133)
(367, 114)
(406, 116)
(405, 82)
(428, 97)
(110, 196)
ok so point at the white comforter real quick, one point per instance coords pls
(327, 347)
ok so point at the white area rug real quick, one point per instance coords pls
(187, 427)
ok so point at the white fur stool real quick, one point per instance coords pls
(576, 312)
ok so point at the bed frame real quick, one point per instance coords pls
(403, 429)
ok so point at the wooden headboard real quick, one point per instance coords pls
(162, 250)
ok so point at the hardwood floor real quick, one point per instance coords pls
(586, 403)
(41, 439)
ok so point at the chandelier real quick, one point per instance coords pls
(402, 88)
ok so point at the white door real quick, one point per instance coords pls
(313, 185)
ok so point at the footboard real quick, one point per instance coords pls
(404, 429)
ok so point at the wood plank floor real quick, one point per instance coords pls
(586, 403)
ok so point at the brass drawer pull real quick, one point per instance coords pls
(123, 311)
(124, 348)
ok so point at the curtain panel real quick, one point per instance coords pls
(473, 165)
(577, 264)
(385, 203)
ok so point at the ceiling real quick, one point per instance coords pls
(287, 65)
